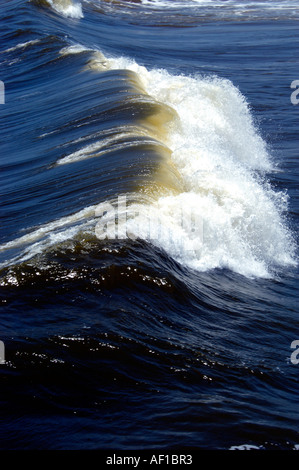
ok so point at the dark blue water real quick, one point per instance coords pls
(124, 325)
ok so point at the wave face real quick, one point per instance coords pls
(212, 167)
(149, 211)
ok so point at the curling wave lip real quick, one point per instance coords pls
(67, 8)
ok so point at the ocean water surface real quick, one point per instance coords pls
(149, 217)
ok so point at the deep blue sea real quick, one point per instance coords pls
(149, 220)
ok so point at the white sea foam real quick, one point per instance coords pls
(68, 8)
(220, 156)
(45, 236)
(245, 447)
(74, 49)
(222, 161)
(235, 4)
(177, 3)
(105, 145)
(21, 45)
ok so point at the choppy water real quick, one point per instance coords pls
(149, 215)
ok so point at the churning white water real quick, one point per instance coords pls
(222, 162)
